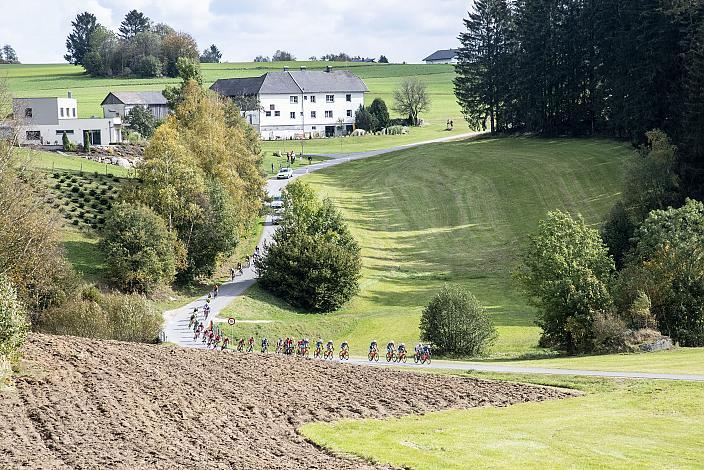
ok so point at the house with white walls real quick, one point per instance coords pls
(44, 121)
(443, 56)
(298, 104)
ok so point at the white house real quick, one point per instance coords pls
(120, 103)
(43, 121)
(443, 56)
(300, 103)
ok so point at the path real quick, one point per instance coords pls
(176, 321)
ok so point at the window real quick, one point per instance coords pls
(94, 137)
(329, 98)
(268, 114)
(349, 113)
(272, 107)
(293, 114)
(277, 113)
(34, 135)
(348, 98)
(74, 112)
(305, 98)
(27, 112)
(313, 114)
(67, 131)
(62, 111)
(328, 114)
(294, 99)
(312, 98)
(314, 128)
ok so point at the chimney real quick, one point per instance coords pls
(69, 94)
(328, 69)
(303, 67)
(286, 69)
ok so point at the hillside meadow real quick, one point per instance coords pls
(446, 213)
(44, 80)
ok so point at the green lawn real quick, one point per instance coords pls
(39, 80)
(679, 360)
(54, 162)
(447, 213)
(617, 424)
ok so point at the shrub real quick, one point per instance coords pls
(609, 333)
(13, 321)
(380, 113)
(565, 273)
(314, 262)
(138, 247)
(456, 323)
(90, 314)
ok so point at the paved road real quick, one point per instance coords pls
(176, 321)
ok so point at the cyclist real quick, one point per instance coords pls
(319, 346)
(193, 317)
(225, 342)
(373, 346)
(216, 341)
(390, 347)
(401, 350)
(206, 310)
(426, 350)
(240, 345)
(279, 345)
(344, 346)
(330, 348)
(250, 344)
(265, 345)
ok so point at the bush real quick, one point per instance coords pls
(13, 321)
(455, 323)
(90, 314)
(138, 247)
(609, 333)
(314, 261)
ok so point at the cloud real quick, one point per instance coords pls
(404, 30)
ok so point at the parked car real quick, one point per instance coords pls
(285, 173)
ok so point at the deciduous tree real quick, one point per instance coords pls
(411, 98)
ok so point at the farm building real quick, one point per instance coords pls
(443, 56)
(120, 103)
(297, 104)
(43, 121)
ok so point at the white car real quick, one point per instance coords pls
(277, 202)
(284, 174)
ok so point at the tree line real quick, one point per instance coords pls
(285, 56)
(578, 67)
(139, 48)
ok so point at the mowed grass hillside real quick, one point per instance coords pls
(381, 79)
(447, 213)
(616, 424)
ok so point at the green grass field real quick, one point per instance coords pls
(616, 424)
(447, 213)
(41, 80)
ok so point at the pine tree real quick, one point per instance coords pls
(484, 64)
(135, 22)
(78, 42)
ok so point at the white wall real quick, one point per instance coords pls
(110, 131)
(284, 127)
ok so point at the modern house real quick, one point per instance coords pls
(120, 103)
(43, 121)
(298, 104)
(443, 56)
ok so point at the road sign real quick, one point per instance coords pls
(230, 321)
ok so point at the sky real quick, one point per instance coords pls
(403, 30)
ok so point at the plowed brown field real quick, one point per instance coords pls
(99, 404)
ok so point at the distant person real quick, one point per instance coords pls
(310, 159)
(452, 124)
(232, 274)
(272, 167)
